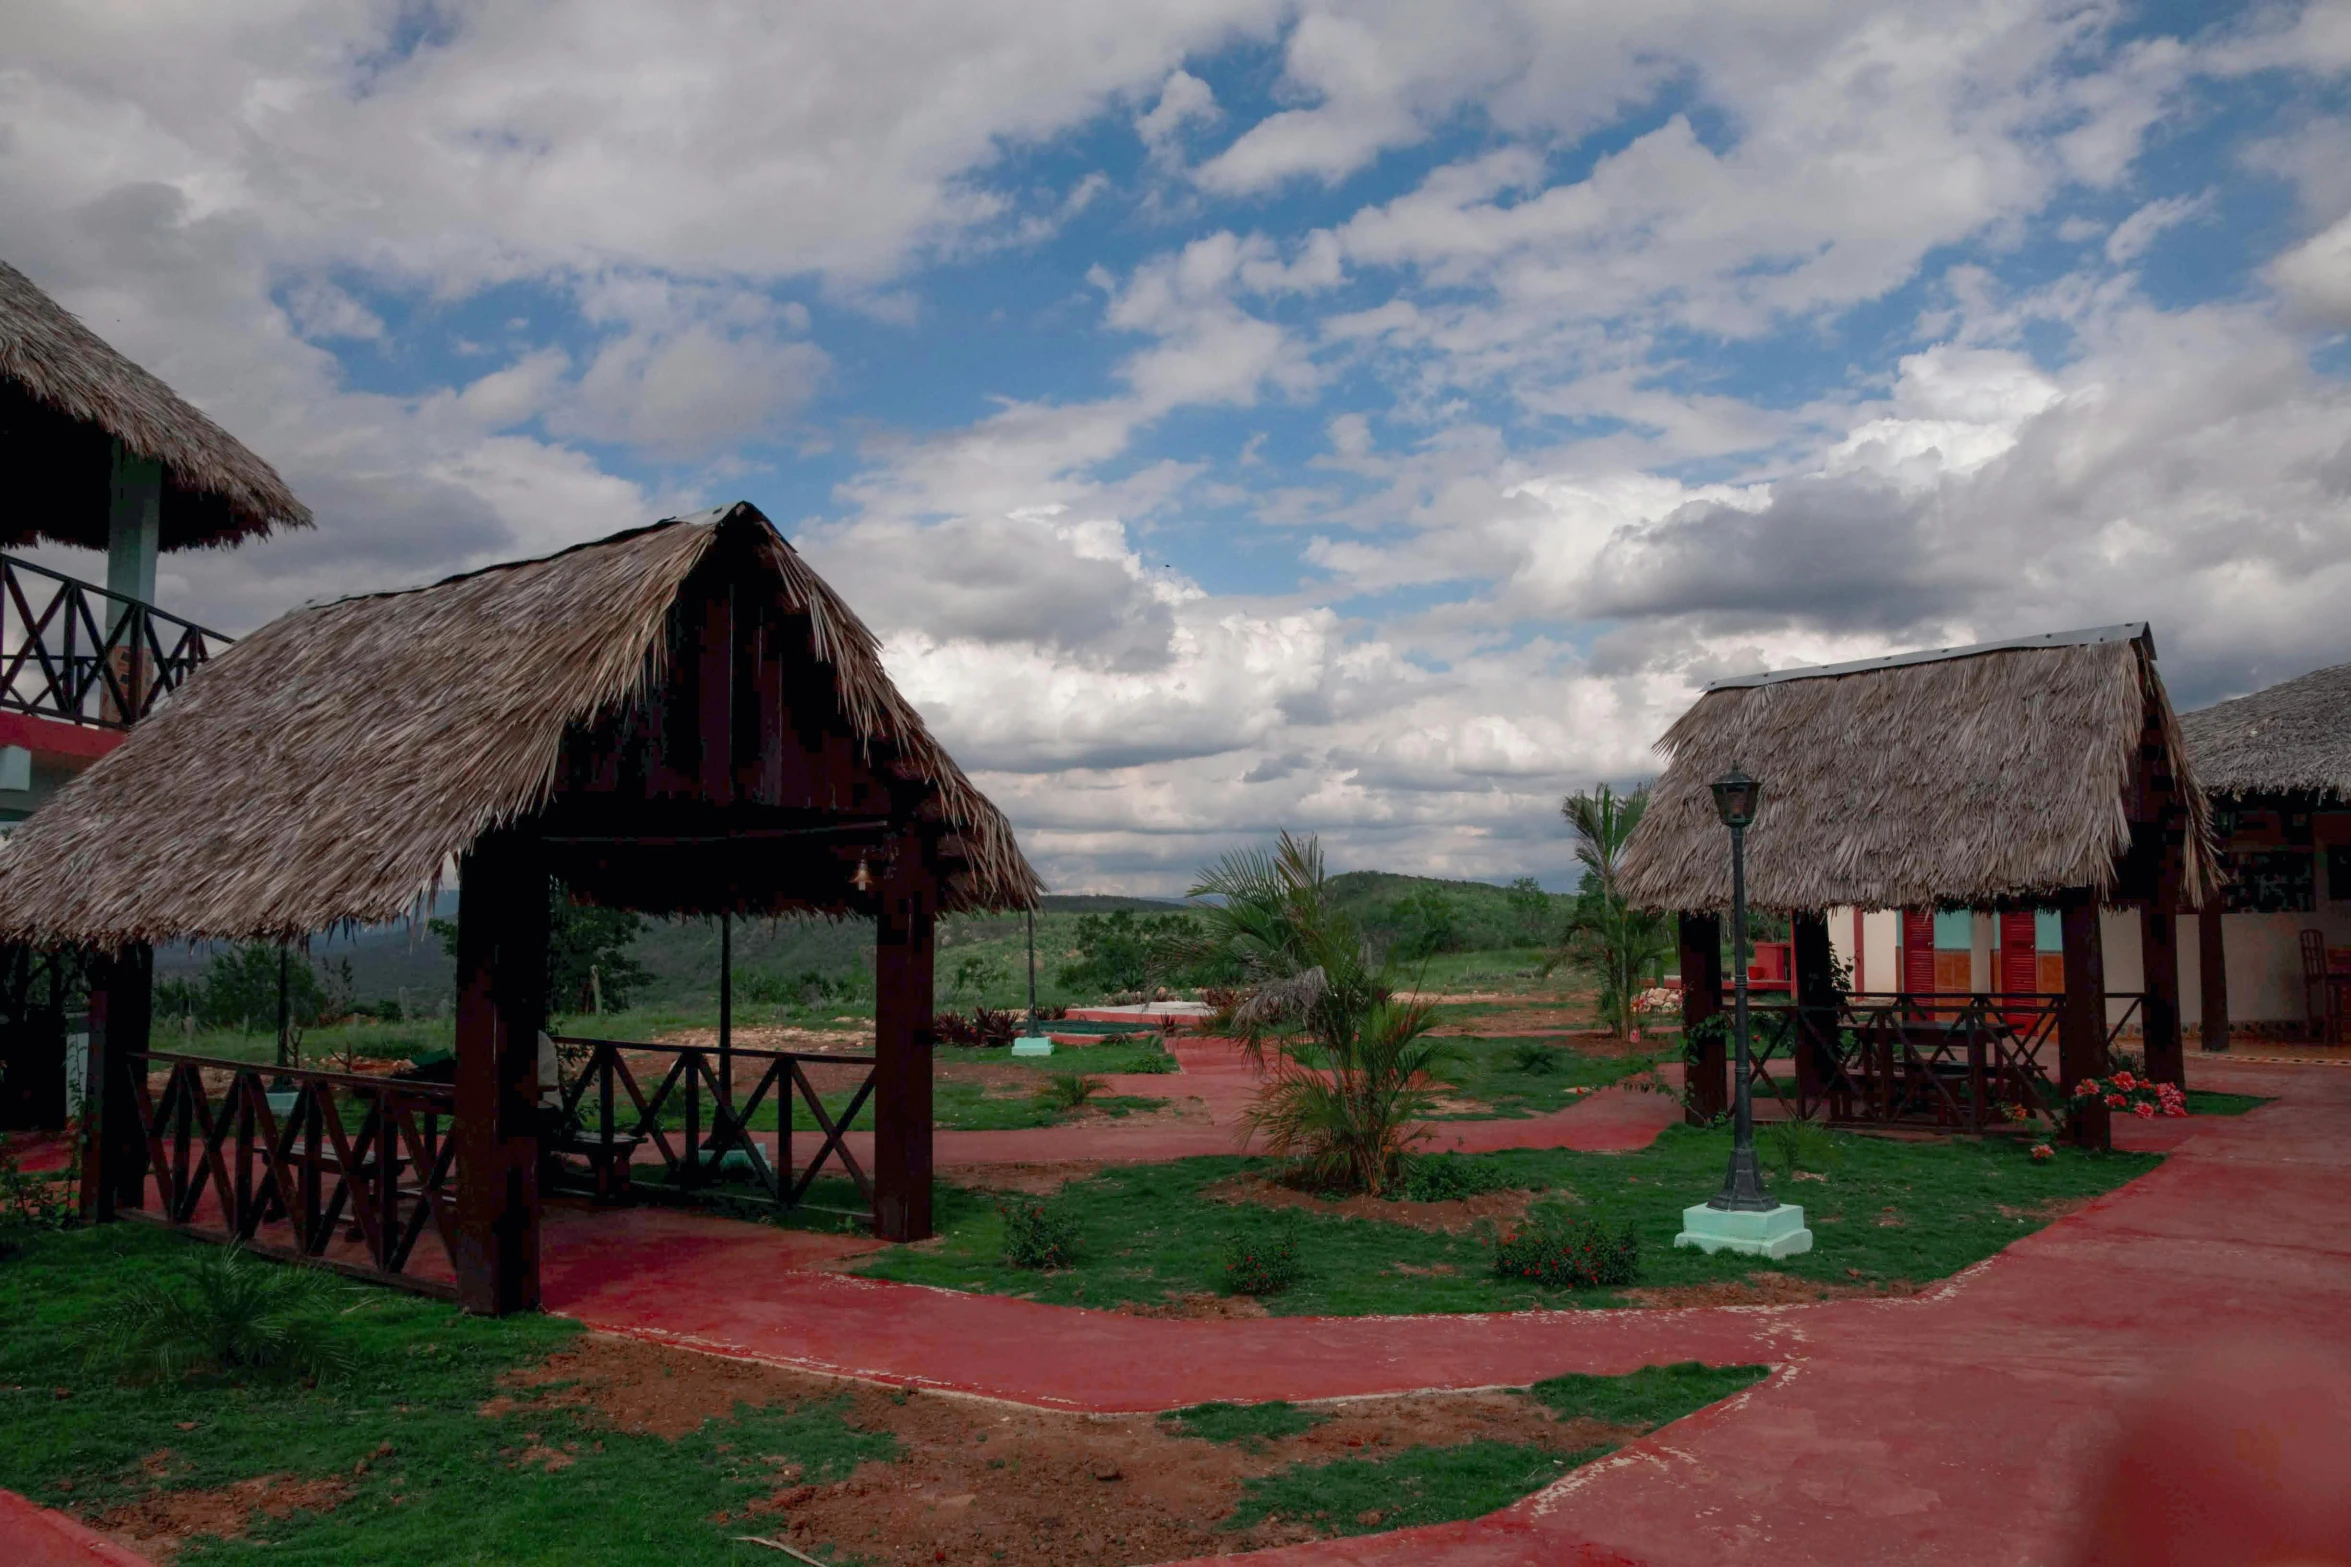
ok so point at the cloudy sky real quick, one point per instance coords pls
(1367, 418)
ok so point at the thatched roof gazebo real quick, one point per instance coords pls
(2041, 771)
(2277, 765)
(72, 410)
(679, 719)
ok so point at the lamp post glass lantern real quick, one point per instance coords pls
(1742, 1217)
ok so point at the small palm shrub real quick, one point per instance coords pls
(1534, 1058)
(1261, 1263)
(1561, 1253)
(1068, 1090)
(228, 1314)
(1797, 1144)
(1037, 1236)
(1448, 1177)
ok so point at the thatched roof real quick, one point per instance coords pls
(65, 396)
(327, 768)
(1961, 777)
(2293, 738)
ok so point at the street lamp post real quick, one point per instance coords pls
(1032, 1043)
(1736, 799)
(1742, 1217)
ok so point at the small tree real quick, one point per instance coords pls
(1619, 946)
(1346, 1063)
(1530, 907)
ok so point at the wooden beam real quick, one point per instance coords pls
(2081, 1022)
(114, 1153)
(501, 1007)
(2212, 971)
(904, 959)
(1706, 1063)
(2159, 957)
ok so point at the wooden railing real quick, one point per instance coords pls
(611, 1107)
(75, 651)
(1942, 1060)
(354, 1173)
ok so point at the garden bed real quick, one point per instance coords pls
(1887, 1216)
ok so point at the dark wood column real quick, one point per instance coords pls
(1706, 1062)
(2081, 1025)
(501, 1006)
(114, 1152)
(904, 960)
(1816, 1000)
(2212, 973)
(2159, 960)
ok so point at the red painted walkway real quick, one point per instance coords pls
(1957, 1426)
(35, 1536)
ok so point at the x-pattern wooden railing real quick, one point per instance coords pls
(1949, 1060)
(717, 1122)
(365, 1154)
(75, 651)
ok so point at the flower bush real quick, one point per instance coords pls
(1559, 1253)
(2128, 1091)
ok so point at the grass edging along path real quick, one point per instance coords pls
(2211, 1101)
(529, 1440)
(1885, 1215)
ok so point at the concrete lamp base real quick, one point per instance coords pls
(1771, 1232)
(1032, 1045)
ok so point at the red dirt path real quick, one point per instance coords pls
(1955, 1426)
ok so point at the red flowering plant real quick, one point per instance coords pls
(2128, 1091)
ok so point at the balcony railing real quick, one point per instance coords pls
(74, 651)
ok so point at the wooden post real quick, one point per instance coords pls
(1815, 1045)
(903, 978)
(501, 1007)
(2081, 1024)
(2159, 1016)
(114, 1154)
(1706, 1073)
(2213, 972)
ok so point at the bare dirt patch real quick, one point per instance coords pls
(1200, 1306)
(2047, 1210)
(1763, 1289)
(158, 1526)
(979, 1482)
(1570, 1023)
(1455, 1217)
(1036, 1180)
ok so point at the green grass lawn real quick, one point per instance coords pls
(450, 1490)
(1521, 1077)
(1888, 1212)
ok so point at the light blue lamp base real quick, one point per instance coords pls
(1032, 1045)
(1772, 1232)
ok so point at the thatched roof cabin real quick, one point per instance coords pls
(1998, 775)
(66, 397)
(2290, 739)
(685, 715)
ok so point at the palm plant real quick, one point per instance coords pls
(1345, 1062)
(1619, 946)
(229, 1313)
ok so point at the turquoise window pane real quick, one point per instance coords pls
(2048, 935)
(1954, 930)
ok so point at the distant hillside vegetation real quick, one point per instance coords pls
(1419, 916)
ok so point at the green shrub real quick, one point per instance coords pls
(1448, 1177)
(1261, 1263)
(1036, 1236)
(1794, 1145)
(1534, 1058)
(227, 1314)
(1560, 1253)
(1068, 1090)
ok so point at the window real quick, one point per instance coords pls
(2273, 881)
